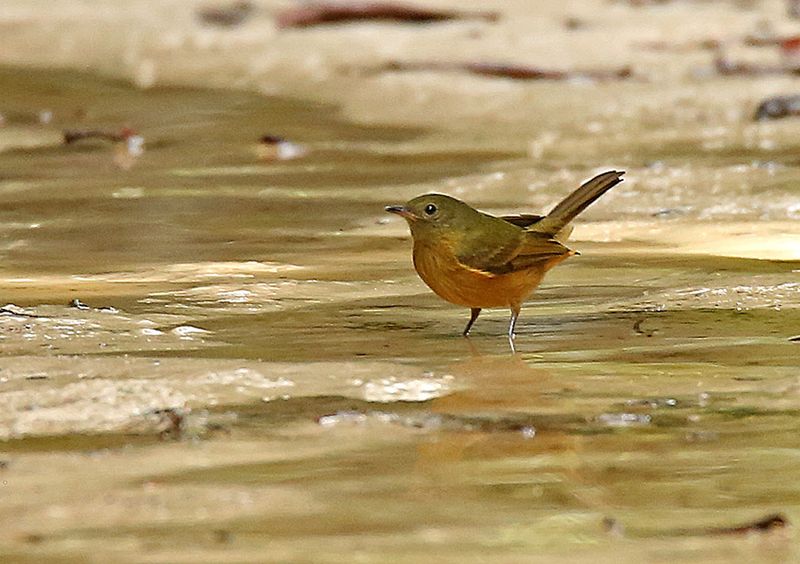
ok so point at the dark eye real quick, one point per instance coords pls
(431, 209)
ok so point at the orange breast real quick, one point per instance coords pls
(461, 285)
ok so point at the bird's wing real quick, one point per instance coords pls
(528, 220)
(512, 255)
(522, 220)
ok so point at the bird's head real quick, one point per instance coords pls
(431, 215)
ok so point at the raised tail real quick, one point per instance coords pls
(576, 202)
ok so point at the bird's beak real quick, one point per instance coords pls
(401, 210)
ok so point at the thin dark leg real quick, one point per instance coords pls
(474, 313)
(513, 322)
(511, 325)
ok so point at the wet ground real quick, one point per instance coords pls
(254, 372)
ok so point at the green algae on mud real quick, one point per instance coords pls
(331, 406)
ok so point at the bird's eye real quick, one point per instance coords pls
(431, 209)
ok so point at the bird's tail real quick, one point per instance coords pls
(576, 202)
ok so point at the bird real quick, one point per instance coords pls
(473, 259)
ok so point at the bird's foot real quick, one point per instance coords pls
(511, 344)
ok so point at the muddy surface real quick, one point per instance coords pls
(254, 372)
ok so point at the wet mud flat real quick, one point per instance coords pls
(253, 372)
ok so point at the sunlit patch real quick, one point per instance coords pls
(68, 330)
(88, 405)
(346, 417)
(394, 389)
(735, 297)
(235, 296)
(189, 331)
(623, 419)
(778, 240)
(187, 272)
(769, 246)
(258, 297)
(243, 378)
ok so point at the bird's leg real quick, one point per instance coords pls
(474, 313)
(514, 315)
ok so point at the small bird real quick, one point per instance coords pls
(477, 260)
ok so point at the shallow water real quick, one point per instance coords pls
(259, 375)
